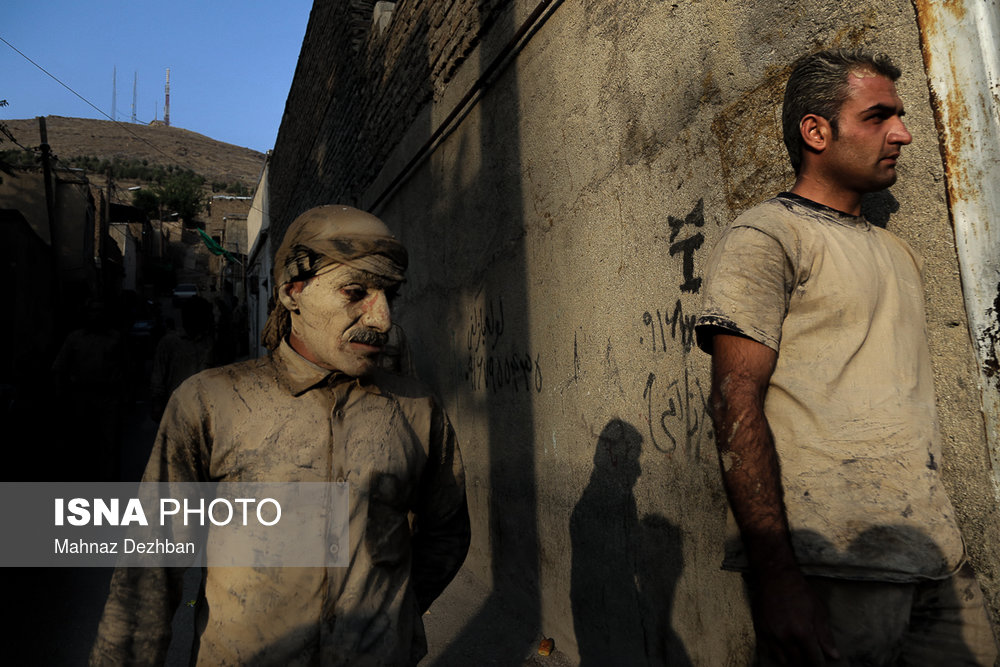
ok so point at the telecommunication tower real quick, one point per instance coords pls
(135, 87)
(166, 104)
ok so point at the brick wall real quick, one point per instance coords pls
(356, 92)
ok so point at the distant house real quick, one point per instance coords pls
(68, 229)
(47, 261)
(226, 224)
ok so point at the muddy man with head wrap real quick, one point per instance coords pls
(319, 408)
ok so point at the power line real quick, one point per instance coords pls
(54, 78)
(124, 126)
(93, 106)
(12, 139)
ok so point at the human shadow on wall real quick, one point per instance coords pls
(624, 571)
(660, 562)
(878, 207)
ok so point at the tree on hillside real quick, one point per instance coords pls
(181, 193)
(147, 202)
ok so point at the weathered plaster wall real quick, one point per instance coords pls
(557, 233)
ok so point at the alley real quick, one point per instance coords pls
(55, 611)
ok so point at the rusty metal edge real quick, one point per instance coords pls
(959, 40)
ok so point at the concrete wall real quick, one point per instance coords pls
(74, 220)
(25, 191)
(129, 247)
(258, 283)
(558, 210)
(28, 326)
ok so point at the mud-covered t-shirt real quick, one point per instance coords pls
(284, 419)
(851, 400)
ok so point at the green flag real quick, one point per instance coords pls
(215, 248)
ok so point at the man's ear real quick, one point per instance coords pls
(288, 295)
(816, 132)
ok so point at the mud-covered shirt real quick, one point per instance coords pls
(283, 419)
(851, 400)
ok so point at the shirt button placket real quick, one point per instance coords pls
(338, 451)
(337, 463)
(338, 444)
(338, 466)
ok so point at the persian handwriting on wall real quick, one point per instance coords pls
(516, 371)
(495, 364)
(676, 409)
(684, 420)
(675, 319)
(486, 326)
(677, 322)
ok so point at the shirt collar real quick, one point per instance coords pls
(300, 375)
(846, 219)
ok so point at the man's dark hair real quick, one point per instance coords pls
(819, 85)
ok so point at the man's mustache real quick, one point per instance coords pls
(369, 337)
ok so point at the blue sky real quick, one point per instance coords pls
(231, 62)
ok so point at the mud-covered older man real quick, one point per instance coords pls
(317, 409)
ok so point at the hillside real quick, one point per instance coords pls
(160, 145)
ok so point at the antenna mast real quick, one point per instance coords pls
(114, 94)
(135, 87)
(166, 105)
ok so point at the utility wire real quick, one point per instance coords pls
(55, 78)
(10, 137)
(124, 126)
(7, 133)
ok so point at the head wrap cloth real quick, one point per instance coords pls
(328, 235)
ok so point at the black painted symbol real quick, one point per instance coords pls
(686, 247)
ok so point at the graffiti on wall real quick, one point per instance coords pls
(677, 413)
(675, 403)
(495, 363)
(675, 324)
(686, 246)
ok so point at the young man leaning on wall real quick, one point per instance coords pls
(823, 400)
